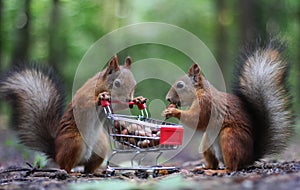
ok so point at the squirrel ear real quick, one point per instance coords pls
(113, 66)
(194, 70)
(114, 63)
(128, 62)
(195, 74)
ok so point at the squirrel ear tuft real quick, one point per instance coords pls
(114, 63)
(194, 70)
(195, 74)
(113, 66)
(128, 62)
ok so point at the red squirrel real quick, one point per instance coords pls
(75, 136)
(257, 116)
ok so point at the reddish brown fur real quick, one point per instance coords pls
(76, 137)
(68, 142)
(95, 160)
(235, 138)
(242, 127)
(71, 146)
(205, 106)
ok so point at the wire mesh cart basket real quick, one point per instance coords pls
(138, 136)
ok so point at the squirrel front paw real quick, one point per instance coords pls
(139, 99)
(171, 112)
(103, 96)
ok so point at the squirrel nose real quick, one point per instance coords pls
(169, 99)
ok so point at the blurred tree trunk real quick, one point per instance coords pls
(22, 38)
(56, 43)
(1, 33)
(112, 20)
(297, 62)
(1, 41)
(251, 20)
(221, 35)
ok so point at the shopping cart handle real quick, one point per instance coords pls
(141, 106)
(104, 103)
(131, 103)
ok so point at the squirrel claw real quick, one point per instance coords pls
(140, 99)
(104, 96)
(168, 113)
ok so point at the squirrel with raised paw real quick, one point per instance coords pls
(255, 120)
(75, 136)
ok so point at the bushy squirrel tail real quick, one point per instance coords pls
(261, 82)
(37, 98)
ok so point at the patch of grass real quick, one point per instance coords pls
(40, 160)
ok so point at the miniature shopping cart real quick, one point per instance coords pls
(139, 136)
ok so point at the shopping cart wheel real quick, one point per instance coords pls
(155, 173)
(110, 172)
(144, 174)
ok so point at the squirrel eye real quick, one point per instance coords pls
(117, 83)
(180, 84)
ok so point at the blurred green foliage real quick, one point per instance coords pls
(75, 25)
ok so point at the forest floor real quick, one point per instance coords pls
(283, 173)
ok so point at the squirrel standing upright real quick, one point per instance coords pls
(75, 137)
(257, 117)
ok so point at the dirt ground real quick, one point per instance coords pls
(280, 173)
